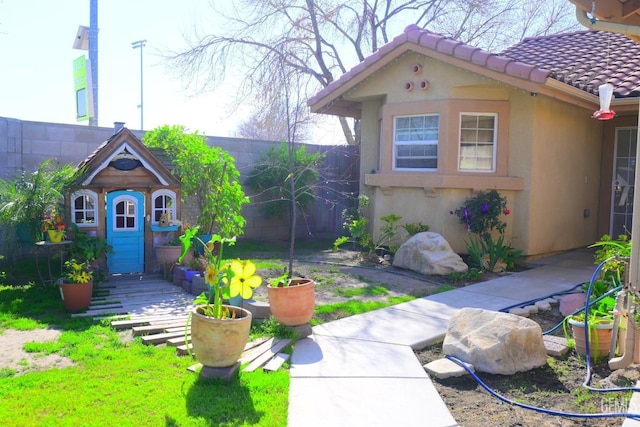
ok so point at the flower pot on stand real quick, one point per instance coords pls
(292, 305)
(55, 236)
(599, 337)
(76, 296)
(219, 343)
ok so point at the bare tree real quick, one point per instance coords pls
(322, 39)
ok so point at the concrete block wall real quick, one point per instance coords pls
(26, 144)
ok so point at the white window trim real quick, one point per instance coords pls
(82, 193)
(495, 142)
(437, 144)
(125, 229)
(159, 193)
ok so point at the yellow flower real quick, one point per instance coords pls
(244, 279)
(210, 275)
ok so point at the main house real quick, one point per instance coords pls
(442, 121)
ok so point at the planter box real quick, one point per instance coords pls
(178, 275)
(198, 286)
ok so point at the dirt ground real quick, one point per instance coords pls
(557, 386)
(14, 358)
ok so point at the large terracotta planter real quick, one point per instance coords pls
(293, 305)
(218, 343)
(599, 338)
(76, 296)
(167, 254)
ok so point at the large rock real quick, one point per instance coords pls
(496, 343)
(429, 253)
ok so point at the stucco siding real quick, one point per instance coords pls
(565, 178)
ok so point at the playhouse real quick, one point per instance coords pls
(123, 192)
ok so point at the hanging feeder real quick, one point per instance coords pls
(605, 92)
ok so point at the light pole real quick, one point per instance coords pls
(140, 44)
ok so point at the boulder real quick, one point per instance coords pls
(429, 253)
(493, 342)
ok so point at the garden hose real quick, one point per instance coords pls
(585, 384)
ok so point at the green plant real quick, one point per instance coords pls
(490, 255)
(228, 280)
(356, 223)
(208, 175)
(27, 199)
(76, 272)
(481, 214)
(88, 248)
(617, 252)
(413, 228)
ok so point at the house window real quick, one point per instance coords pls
(84, 205)
(415, 140)
(478, 142)
(163, 201)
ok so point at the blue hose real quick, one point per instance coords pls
(535, 408)
(585, 384)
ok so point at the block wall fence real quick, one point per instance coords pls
(26, 144)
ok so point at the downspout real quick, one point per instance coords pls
(633, 279)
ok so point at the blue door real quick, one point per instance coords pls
(125, 231)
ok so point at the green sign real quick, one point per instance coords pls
(81, 87)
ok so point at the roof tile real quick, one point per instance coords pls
(584, 59)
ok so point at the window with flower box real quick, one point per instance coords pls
(163, 201)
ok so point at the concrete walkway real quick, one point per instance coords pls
(361, 370)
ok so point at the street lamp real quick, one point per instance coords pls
(140, 44)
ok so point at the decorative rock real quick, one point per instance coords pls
(493, 342)
(519, 311)
(445, 368)
(429, 253)
(532, 309)
(543, 305)
(572, 302)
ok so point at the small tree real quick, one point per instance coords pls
(208, 174)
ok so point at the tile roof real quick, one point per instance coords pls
(585, 60)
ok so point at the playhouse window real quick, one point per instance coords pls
(163, 201)
(477, 142)
(84, 208)
(415, 142)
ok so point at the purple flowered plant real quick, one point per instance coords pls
(481, 214)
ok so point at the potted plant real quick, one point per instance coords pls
(292, 300)
(220, 332)
(76, 285)
(54, 226)
(600, 322)
(169, 252)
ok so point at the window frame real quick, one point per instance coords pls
(154, 196)
(494, 143)
(85, 193)
(429, 142)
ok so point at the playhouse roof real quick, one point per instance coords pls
(153, 159)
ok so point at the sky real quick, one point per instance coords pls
(36, 65)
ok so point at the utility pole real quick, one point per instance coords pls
(140, 44)
(93, 58)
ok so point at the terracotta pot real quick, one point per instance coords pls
(167, 254)
(218, 343)
(76, 296)
(293, 305)
(599, 338)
